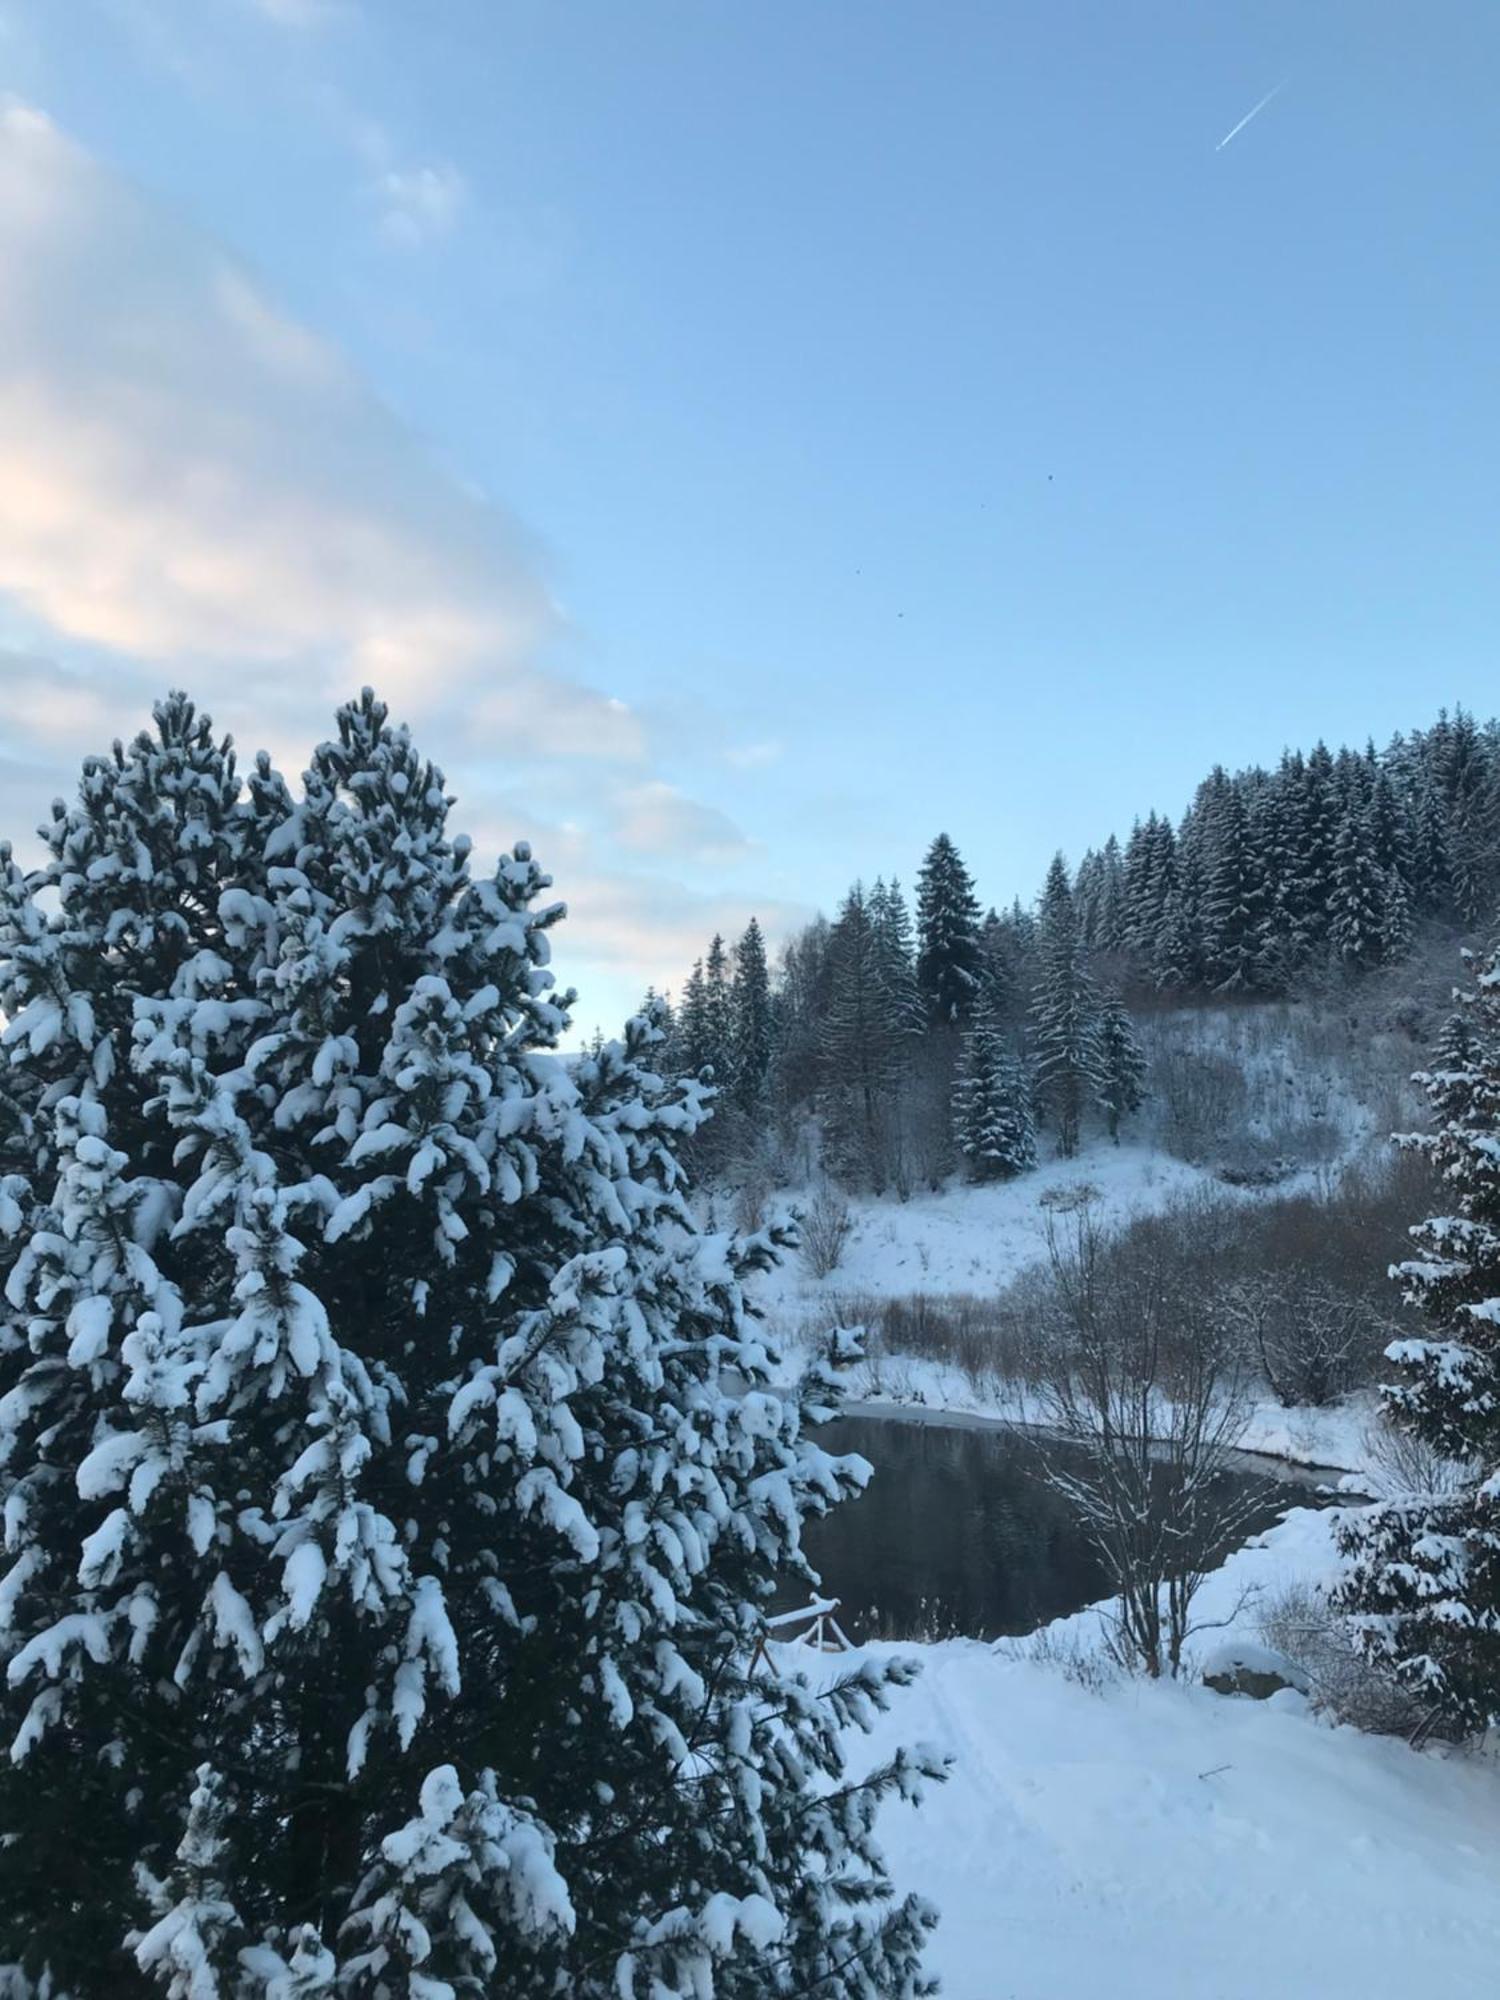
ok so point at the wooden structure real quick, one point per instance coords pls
(812, 1625)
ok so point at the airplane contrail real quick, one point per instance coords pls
(1254, 112)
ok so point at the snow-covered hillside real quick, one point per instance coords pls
(976, 1239)
(1160, 1842)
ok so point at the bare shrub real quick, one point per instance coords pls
(826, 1226)
(1144, 1379)
(751, 1202)
(1069, 1198)
(1200, 1096)
(990, 1341)
(1404, 1464)
(1346, 1686)
(1306, 1333)
(1066, 1652)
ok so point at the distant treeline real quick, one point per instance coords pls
(905, 1044)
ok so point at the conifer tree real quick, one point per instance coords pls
(1232, 909)
(1424, 1578)
(1109, 930)
(1431, 869)
(693, 1042)
(750, 1010)
(1063, 1015)
(393, 1498)
(1176, 961)
(992, 1107)
(718, 1013)
(1359, 895)
(1120, 1065)
(890, 921)
(1395, 919)
(949, 971)
(1150, 875)
(861, 1047)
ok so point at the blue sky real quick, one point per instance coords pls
(745, 438)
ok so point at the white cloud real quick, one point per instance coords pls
(301, 13)
(420, 204)
(197, 490)
(753, 756)
(656, 818)
(190, 475)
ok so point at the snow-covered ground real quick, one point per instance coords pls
(976, 1239)
(1166, 1843)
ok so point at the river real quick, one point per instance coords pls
(960, 1533)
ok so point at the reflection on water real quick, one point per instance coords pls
(958, 1532)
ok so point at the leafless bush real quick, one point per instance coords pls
(1346, 1686)
(1144, 1380)
(1404, 1464)
(826, 1226)
(1068, 1199)
(1200, 1096)
(1068, 1653)
(1307, 1334)
(751, 1200)
(992, 1342)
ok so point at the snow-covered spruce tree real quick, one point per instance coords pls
(750, 1019)
(393, 1496)
(1063, 1015)
(1120, 1065)
(1358, 896)
(1233, 899)
(863, 1049)
(1424, 1577)
(949, 966)
(992, 1119)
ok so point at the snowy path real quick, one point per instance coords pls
(1077, 1850)
(1163, 1843)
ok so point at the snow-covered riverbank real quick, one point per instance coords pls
(1334, 1439)
(1160, 1842)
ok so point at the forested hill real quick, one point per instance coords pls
(961, 1029)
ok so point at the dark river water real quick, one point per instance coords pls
(958, 1532)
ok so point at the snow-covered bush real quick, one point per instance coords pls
(393, 1487)
(1345, 1685)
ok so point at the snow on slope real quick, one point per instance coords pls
(975, 1239)
(1160, 1842)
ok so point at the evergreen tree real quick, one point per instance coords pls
(1150, 875)
(750, 1010)
(1317, 824)
(799, 1005)
(1088, 893)
(1359, 896)
(861, 1048)
(1109, 928)
(1395, 921)
(895, 956)
(1424, 1579)
(949, 969)
(1460, 763)
(394, 1500)
(1063, 1015)
(718, 1013)
(693, 1043)
(1431, 868)
(1176, 963)
(992, 1107)
(1233, 901)
(1120, 1065)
